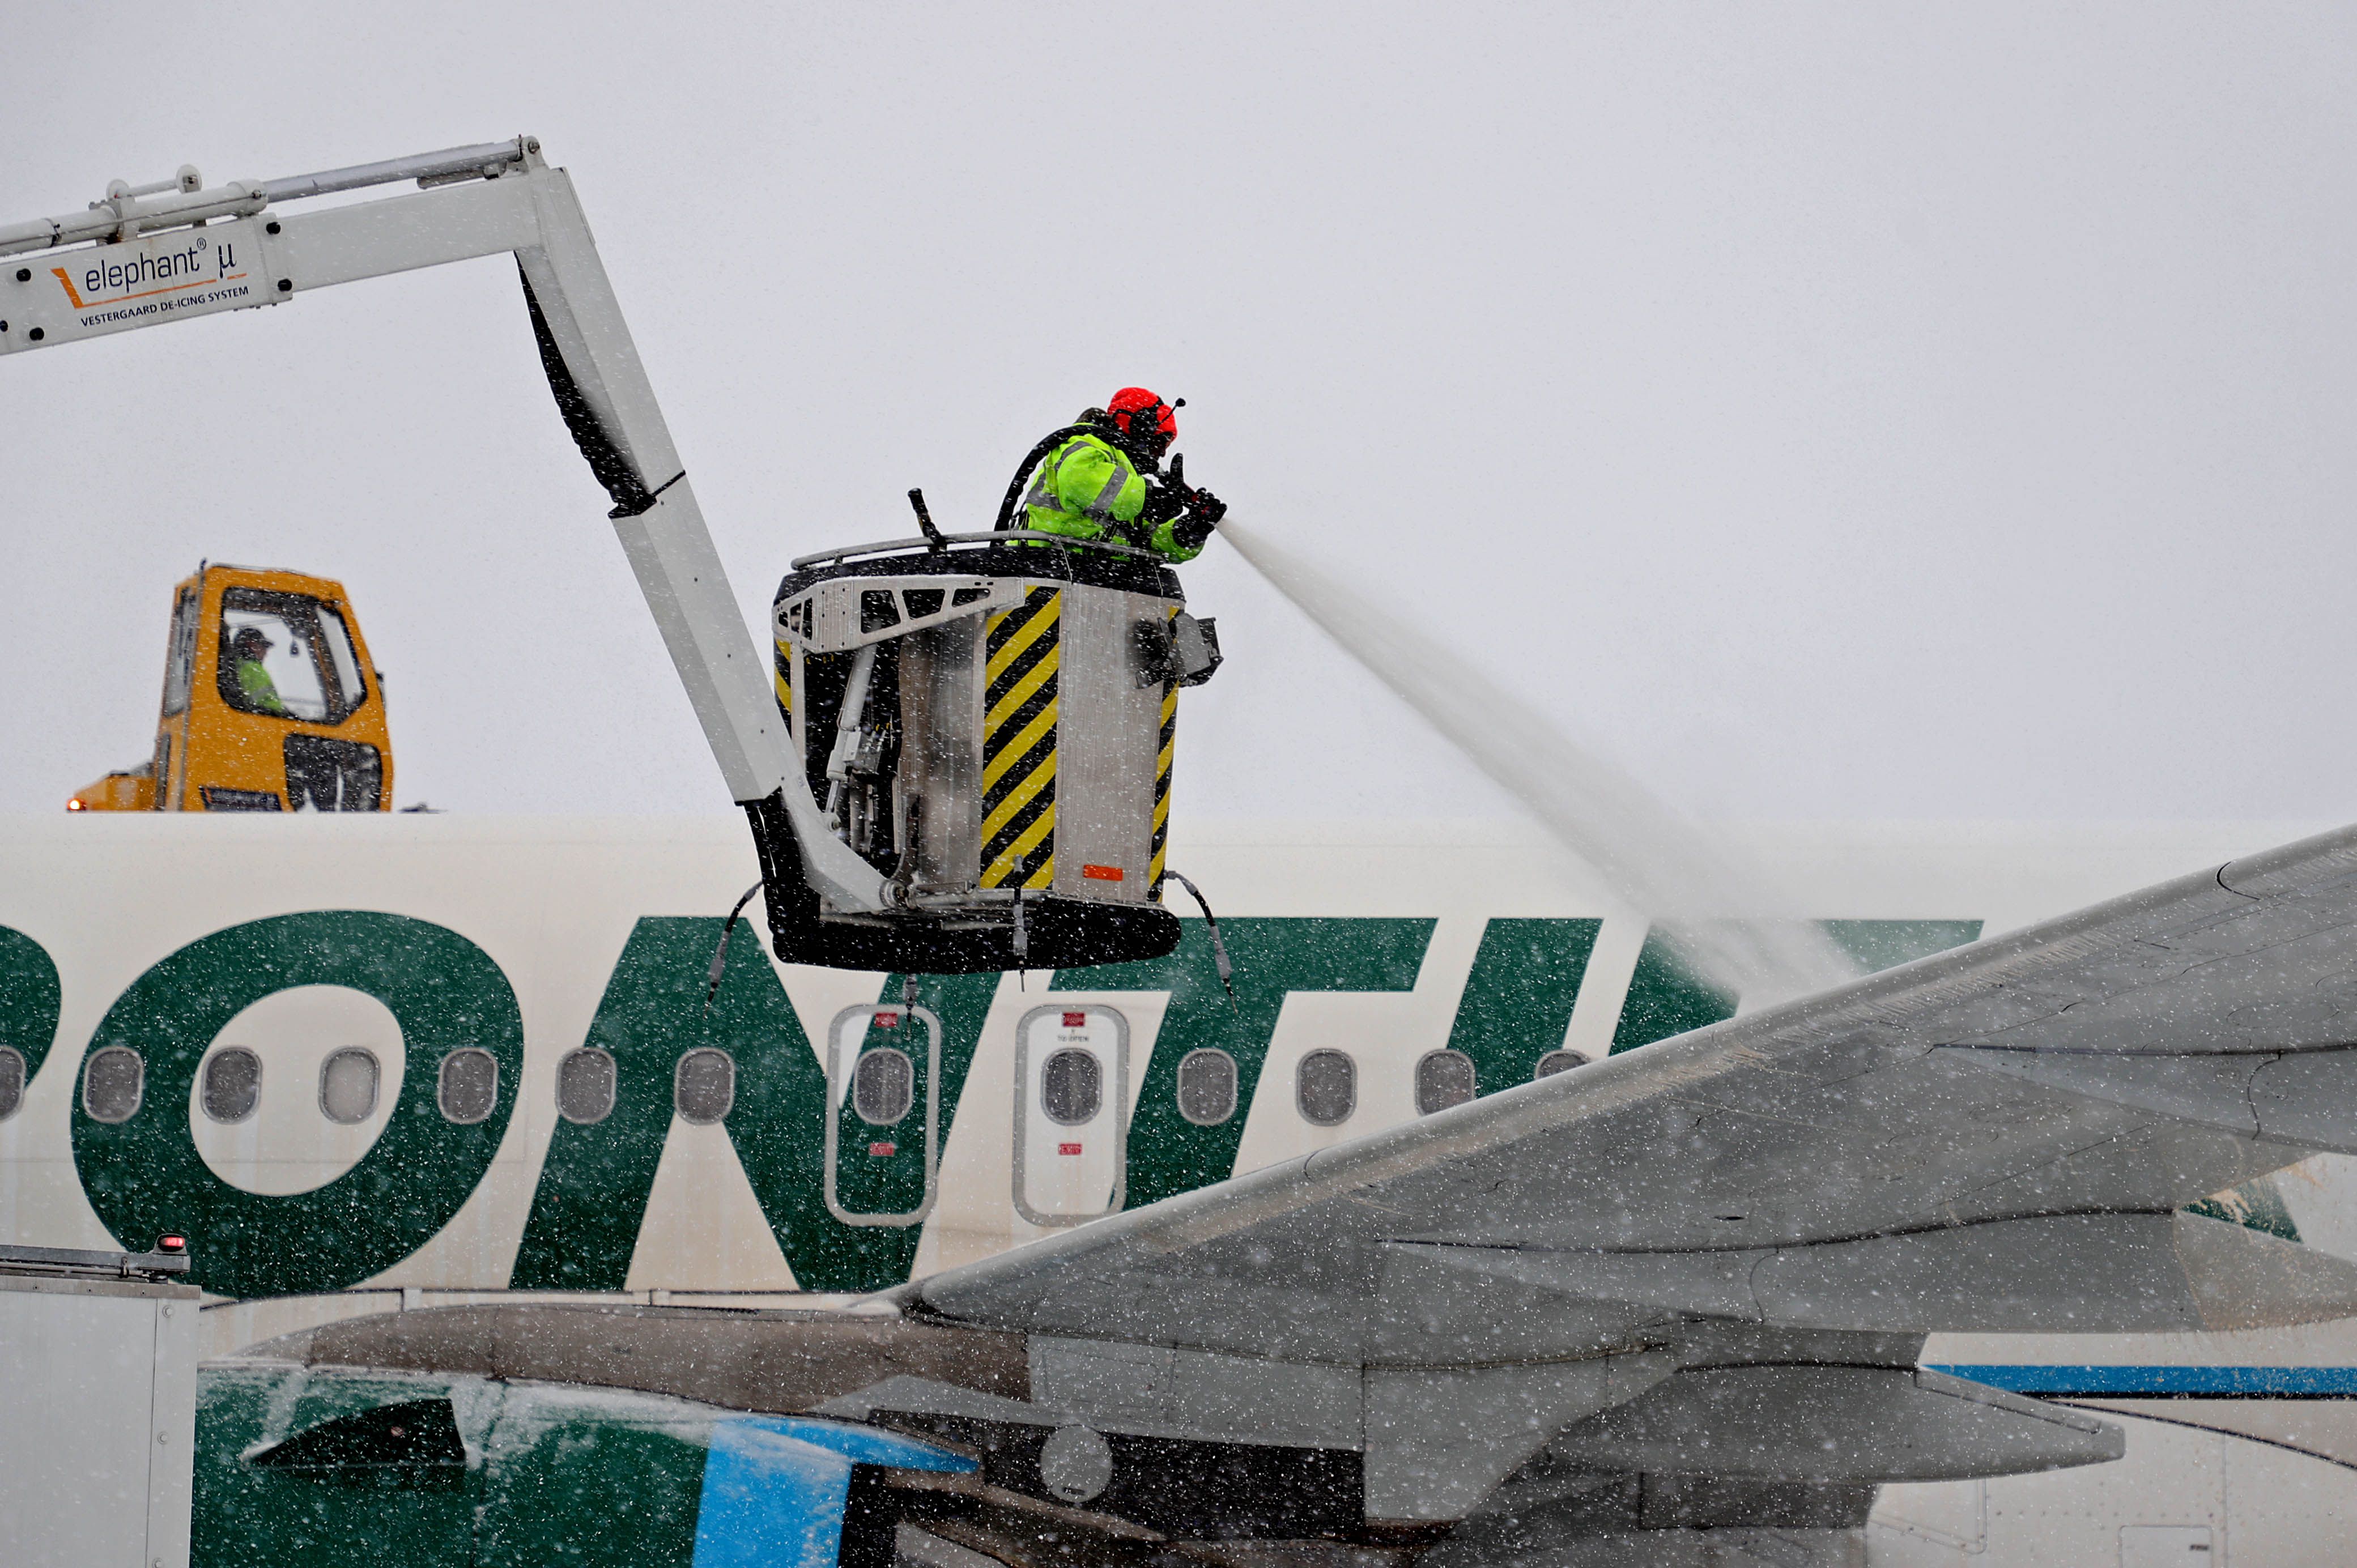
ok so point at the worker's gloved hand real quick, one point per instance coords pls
(1203, 514)
(1163, 502)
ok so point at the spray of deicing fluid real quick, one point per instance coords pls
(1661, 866)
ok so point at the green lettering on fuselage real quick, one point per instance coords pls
(29, 999)
(594, 1184)
(1668, 995)
(1168, 1154)
(144, 1176)
(146, 1179)
(1518, 999)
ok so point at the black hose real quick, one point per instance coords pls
(1219, 948)
(720, 957)
(1048, 443)
(934, 540)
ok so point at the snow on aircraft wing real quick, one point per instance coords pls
(1991, 1138)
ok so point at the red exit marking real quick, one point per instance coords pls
(1068, 1148)
(1075, 1020)
(888, 1020)
(1101, 873)
(879, 1151)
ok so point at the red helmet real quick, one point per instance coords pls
(1132, 400)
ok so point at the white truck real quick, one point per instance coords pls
(98, 1407)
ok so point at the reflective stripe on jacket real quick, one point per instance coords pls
(260, 690)
(1085, 486)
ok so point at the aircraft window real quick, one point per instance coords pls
(269, 657)
(232, 1084)
(883, 1086)
(1554, 1062)
(470, 1086)
(1071, 1086)
(1207, 1087)
(12, 1080)
(181, 660)
(703, 1086)
(341, 661)
(1326, 1087)
(348, 1081)
(585, 1086)
(112, 1083)
(1443, 1078)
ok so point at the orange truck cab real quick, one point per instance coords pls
(271, 703)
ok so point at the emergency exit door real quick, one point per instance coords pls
(883, 1115)
(1072, 1114)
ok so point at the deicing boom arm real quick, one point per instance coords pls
(175, 249)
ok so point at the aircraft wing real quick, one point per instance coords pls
(1994, 1138)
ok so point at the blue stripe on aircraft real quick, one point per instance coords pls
(2128, 1382)
(775, 1487)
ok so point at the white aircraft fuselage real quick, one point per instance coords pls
(367, 1063)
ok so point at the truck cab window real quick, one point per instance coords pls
(343, 665)
(270, 656)
(180, 657)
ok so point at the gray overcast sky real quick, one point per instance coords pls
(1827, 410)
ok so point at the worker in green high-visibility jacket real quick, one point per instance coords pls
(1095, 486)
(253, 682)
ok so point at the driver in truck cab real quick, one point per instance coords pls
(1097, 484)
(246, 649)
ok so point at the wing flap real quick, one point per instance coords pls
(1834, 1423)
(2090, 1274)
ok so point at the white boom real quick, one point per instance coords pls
(174, 250)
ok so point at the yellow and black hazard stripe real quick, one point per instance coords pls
(1018, 746)
(1162, 785)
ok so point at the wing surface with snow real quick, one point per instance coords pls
(1996, 1137)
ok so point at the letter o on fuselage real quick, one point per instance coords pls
(146, 1177)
